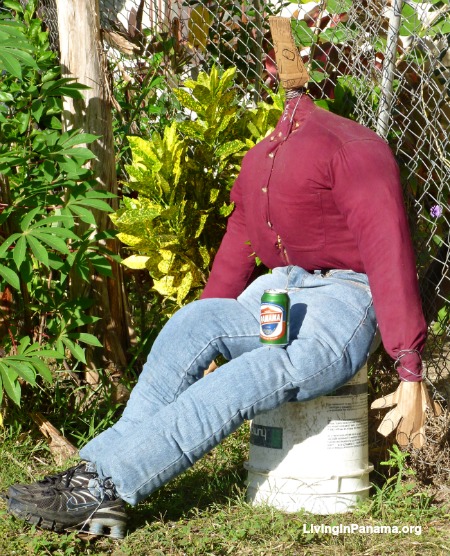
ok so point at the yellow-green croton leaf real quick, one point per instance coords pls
(165, 286)
(136, 262)
(167, 260)
(131, 240)
(184, 287)
(186, 99)
(204, 255)
(182, 176)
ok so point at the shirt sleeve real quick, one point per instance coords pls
(367, 190)
(234, 262)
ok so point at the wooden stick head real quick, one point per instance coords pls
(292, 71)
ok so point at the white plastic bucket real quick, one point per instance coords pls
(312, 455)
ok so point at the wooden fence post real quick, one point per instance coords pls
(82, 57)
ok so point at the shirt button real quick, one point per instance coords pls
(271, 155)
(264, 189)
(272, 137)
(269, 224)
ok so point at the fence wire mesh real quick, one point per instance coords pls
(384, 63)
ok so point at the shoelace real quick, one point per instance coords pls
(71, 472)
(52, 479)
(64, 478)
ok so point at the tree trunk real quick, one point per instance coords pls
(82, 58)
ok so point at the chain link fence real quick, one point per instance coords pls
(385, 63)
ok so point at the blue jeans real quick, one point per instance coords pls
(175, 414)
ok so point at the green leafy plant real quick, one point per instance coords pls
(45, 192)
(183, 178)
(400, 491)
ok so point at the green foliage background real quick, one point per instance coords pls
(45, 192)
(183, 179)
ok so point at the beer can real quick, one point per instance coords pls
(274, 319)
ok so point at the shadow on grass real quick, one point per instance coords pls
(195, 490)
(212, 481)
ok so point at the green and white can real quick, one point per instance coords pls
(274, 319)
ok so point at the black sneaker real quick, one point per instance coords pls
(77, 509)
(74, 477)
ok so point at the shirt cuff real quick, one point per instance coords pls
(409, 366)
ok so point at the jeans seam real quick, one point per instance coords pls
(133, 492)
(363, 320)
(191, 364)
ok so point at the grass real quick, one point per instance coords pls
(204, 512)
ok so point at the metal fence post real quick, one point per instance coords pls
(387, 81)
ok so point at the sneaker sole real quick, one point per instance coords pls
(109, 520)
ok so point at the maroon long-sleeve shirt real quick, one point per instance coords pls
(323, 192)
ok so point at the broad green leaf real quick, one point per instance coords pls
(192, 129)
(318, 76)
(225, 123)
(101, 264)
(410, 21)
(338, 6)
(226, 80)
(56, 219)
(89, 339)
(39, 251)
(213, 195)
(303, 34)
(131, 240)
(10, 64)
(23, 119)
(83, 269)
(97, 204)
(24, 369)
(79, 139)
(13, 5)
(6, 97)
(10, 276)
(10, 383)
(75, 349)
(78, 152)
(226, 210)
(37, 109)
(441, 28)
(43, 370)
(24, 57)
(36, 349)
(23, 343)
(84, 214)
(19, 251)
(50, 239)
(26, 220)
